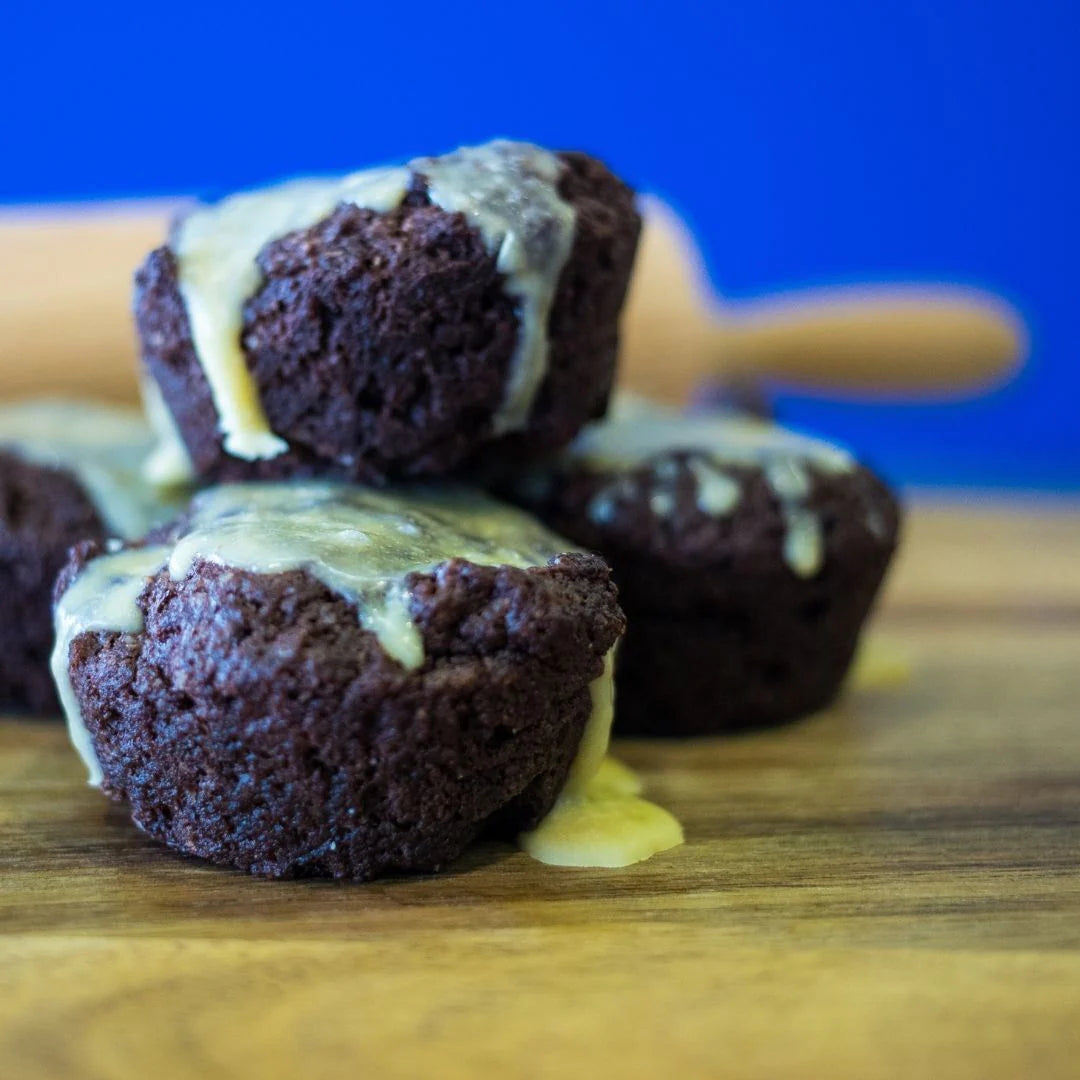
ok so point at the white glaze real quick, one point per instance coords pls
(599, 818)
(169, 463)
(103, 446)
(736, 440)
(717, 493)
(640, 433)
(361, 543)
(103, 599)
(506, 190)
(216, 248)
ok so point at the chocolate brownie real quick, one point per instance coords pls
(68, 472)
(43, 513)
(747, 559)
(309, 679)
(395, 323)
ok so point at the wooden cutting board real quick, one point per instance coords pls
(889, 889)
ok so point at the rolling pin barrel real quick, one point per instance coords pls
(889, 341)
(65, 322)
(901, 341)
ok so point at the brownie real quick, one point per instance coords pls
(43, 513)
(747, 560)
(69, 471)
(254, 720)
(380, 342)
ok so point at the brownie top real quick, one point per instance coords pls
(693, 495)
(359, 542)
(508, 191)
(386, 558)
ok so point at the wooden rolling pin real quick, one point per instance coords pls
(900, 341)
(65, 324)
(65, 297)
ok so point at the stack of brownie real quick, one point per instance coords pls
(341, 658)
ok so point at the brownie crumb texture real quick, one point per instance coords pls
(381, 698)
(747, 559)
(394, 323)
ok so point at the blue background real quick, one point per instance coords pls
(809, 143)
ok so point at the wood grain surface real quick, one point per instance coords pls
(888, 889)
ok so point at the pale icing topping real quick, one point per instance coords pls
(507, 190)
(363, 544)
(216, 248)
(103, 597)
(710, 446)
(169, 463)
(103, 447)
(629, 438)
(599, 818)
(359, 542)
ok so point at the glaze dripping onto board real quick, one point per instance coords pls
(506, 190)
(361, 543)
(599, 819)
